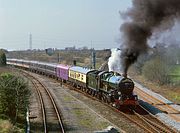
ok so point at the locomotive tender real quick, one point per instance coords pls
(111, 87)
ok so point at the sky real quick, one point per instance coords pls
(61, 23)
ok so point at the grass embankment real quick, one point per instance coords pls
(171, 91)
(175, 75)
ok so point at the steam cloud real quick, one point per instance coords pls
(144, 18)
(114, 61)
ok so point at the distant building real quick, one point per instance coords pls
(70, 48)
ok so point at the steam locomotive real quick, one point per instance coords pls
(111, 87)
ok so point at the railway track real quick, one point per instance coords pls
(164, 107)
(51, 118)
(155, 124)
(139, 116)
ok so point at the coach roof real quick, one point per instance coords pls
(62, 66)
(80, 69)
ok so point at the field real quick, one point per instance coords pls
(175, 74)
(168, 91)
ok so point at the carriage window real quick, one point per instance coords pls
(70, 74)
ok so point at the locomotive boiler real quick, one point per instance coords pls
(113, 87)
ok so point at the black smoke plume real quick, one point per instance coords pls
(145, 17)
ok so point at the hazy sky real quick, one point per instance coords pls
(60, 23)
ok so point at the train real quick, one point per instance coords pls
(108, 86)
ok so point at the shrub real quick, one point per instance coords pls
(14, 96)
(2, 58)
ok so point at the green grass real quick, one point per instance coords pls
(175, 96)
(67, 98)
(176, 70)
(79, 112)
(175, 74)
(87, 120)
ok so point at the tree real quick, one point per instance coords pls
(140, 62)
(2, 58)
(14, 96)
(157, 71)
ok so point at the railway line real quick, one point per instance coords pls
(139, 116)
(145, 120)
(51, 117)
(151, 121)
(164, 107)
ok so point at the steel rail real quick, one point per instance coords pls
(114, 109)
(171, 130)
(145, 96)
(148, 122)
(52, 101)
(42, 107)
(55, 107)
(40, 99)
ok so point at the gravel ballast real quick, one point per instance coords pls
(82, 114)
(162, 116)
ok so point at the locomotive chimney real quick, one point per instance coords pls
(124, 75)
(74, 62)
